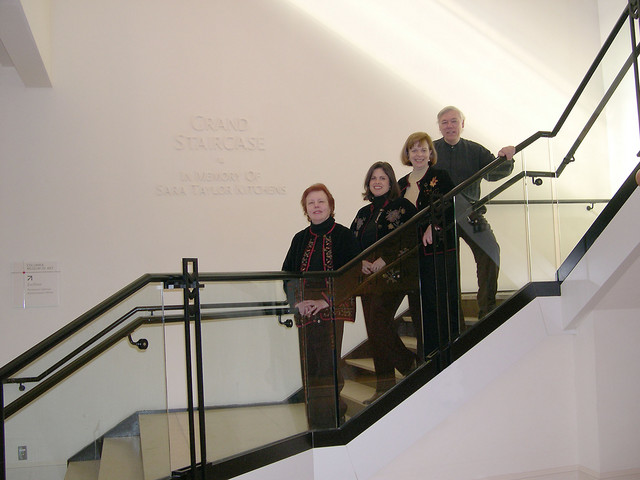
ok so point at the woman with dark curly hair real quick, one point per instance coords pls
(386, 211)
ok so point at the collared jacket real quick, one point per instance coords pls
(324, 247)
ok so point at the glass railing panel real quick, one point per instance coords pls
(621, 114)
(542, 225)
(594, 148)
(439, 278)
(112, 320)
(95, 414)
(492, 183)
(605, 157)
(251, 369)
(606, 154)
(493, 249)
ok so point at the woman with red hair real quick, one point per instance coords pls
(323, 246)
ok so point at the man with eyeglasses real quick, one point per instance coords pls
(462, 158)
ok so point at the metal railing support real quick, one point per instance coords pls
(3, 460)
(192, 314)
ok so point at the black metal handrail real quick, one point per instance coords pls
(590, 202)
(48, 380)
(583, 84)
(82, 321)
(88, 343)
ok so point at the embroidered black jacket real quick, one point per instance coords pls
(382, 216)
(323, 247)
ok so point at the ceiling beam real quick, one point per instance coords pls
(22, 52)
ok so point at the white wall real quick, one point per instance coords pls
(85, 163)
(95, 175)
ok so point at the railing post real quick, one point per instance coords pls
(3, 462)
(633, 17)
(191, 299)
(335, 353)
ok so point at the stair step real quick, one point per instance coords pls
(121, 458)
(354, 394)
(367, 365)
(410, 342)
(362, 363)
(356, 391)
(469, 321)
(165, 437)
(154, 439)
(87, 470)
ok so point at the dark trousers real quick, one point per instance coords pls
(388, 350)
(486, 253)
(321, 376)
(439, 302)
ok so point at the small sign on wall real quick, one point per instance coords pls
(35, 284)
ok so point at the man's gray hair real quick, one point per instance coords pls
(450, 108)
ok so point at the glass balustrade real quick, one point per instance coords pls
(251, 370)
(97, 407)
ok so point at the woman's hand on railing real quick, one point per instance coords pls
(427, 237)
(372, 267)
(311, 307)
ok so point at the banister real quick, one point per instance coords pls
(48, 383)
(583, 84)
(48, 343)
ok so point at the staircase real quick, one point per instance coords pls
(159, 443)
(360, 380)
(150, 445)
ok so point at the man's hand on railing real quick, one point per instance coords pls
(509, 151)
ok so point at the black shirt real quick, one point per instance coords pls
(464, 159)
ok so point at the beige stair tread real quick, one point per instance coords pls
(87, 470)
(410, 342)
(470, 320)
(229, 431)
(356, 391)
(121, 459)
(366, 364)
(154, 439)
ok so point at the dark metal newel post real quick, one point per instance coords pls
(3, 462)
(191, 298)
(633, 18)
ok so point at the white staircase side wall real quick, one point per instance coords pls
(552, 394)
